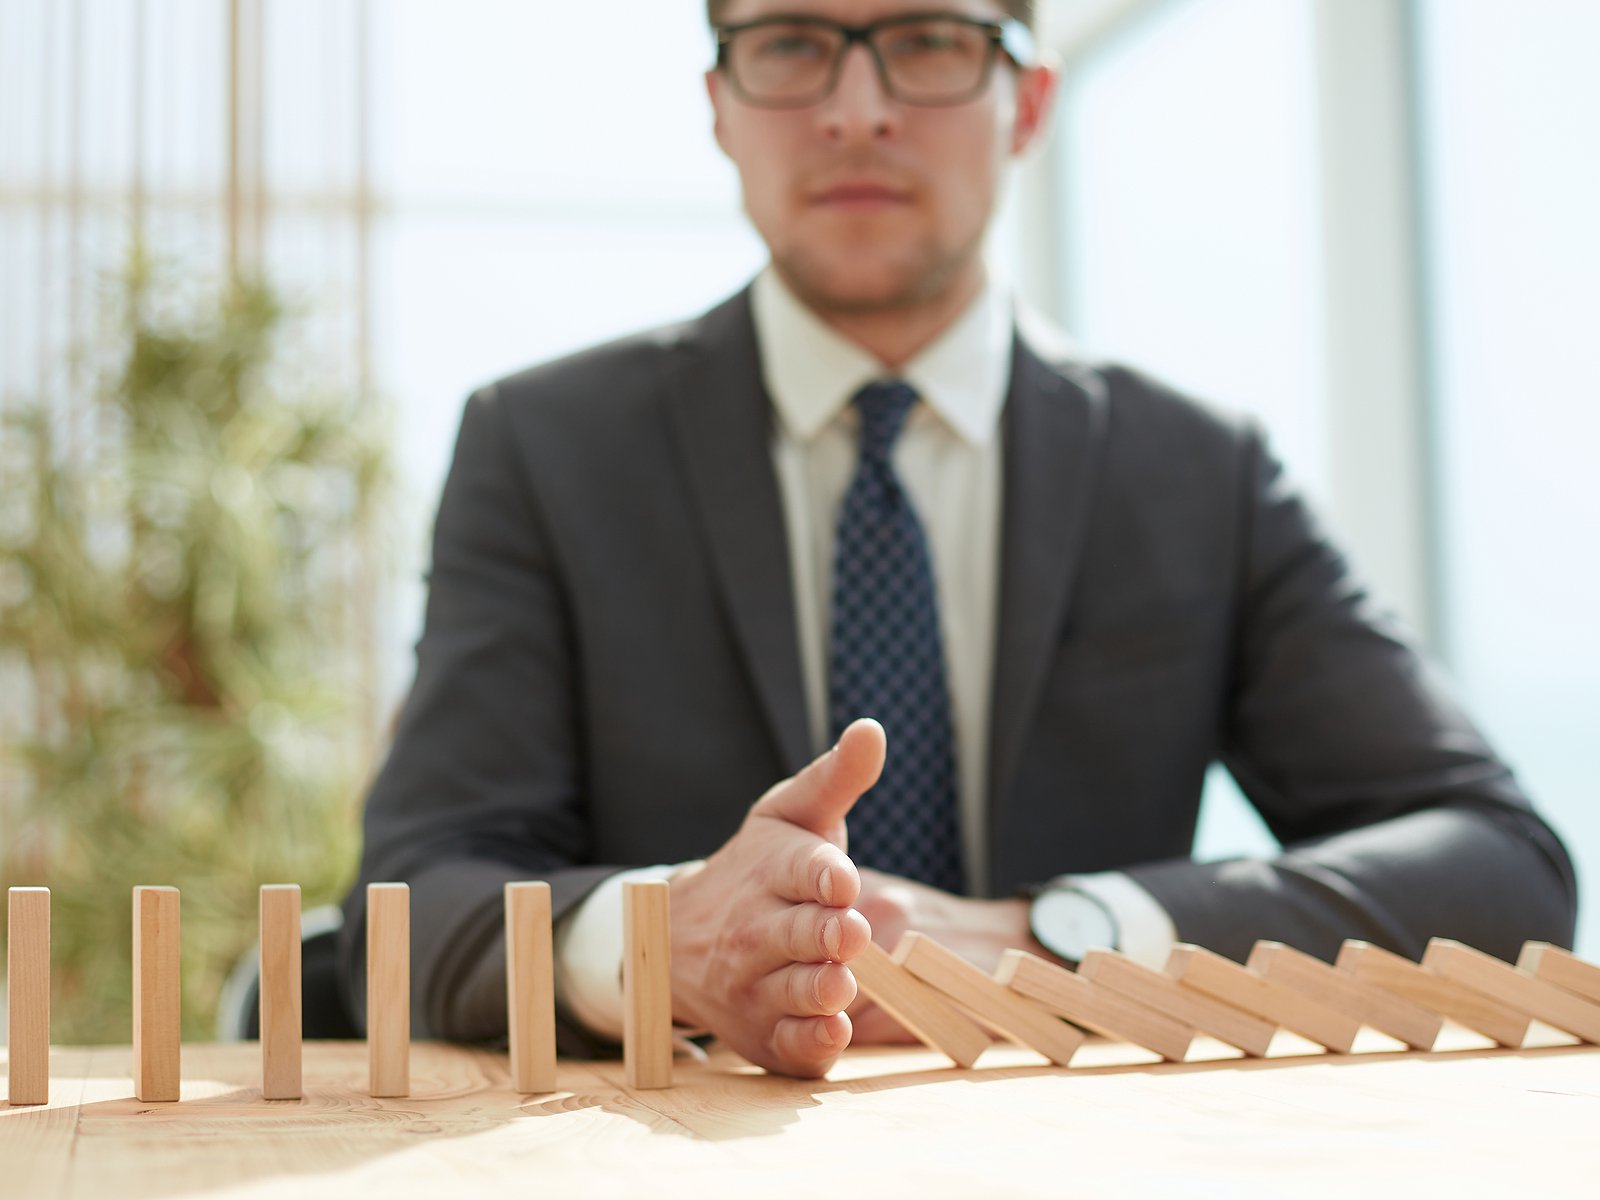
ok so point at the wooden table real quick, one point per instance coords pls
(888, 1122)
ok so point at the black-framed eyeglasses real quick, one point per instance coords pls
(922, 58)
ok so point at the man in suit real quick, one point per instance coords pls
(669, 570)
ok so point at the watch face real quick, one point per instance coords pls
(1069, 924)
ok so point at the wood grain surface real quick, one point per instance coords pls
(647, 983)
(389, 989)
(1101, 1010)
(921, 1009)
(28, 994)
(530, 986)
(157, 996)
(1122, 975)
(994, 1005)
(887, 1122)
(1225, 980)
(1459, 1003)
(1343, 992)
(280, 991)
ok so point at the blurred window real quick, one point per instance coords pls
(1511, 118)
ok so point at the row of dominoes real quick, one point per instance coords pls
(948, 1003)
(530, 990)
(953, 1006)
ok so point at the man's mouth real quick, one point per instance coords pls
(859, 196)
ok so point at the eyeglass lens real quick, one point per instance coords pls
(925, 60)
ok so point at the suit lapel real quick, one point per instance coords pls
(721, 417)
(1054, 432)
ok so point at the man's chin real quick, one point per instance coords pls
(859, 288)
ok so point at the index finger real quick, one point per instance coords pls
(815, 872)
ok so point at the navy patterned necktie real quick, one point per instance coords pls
(887, 660)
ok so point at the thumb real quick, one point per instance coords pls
(827, 788)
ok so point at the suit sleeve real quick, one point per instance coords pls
(484, 781)
(1397, 820)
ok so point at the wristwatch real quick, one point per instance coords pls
(1069, 922)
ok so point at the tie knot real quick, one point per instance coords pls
(883, 407)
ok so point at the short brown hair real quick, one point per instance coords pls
(1021, 10)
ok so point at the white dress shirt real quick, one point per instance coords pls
(948, 458)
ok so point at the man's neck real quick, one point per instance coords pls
(896, 335)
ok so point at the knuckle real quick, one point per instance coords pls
(744, 938)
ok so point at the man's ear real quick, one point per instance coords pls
(1036, 93)
(713, 79)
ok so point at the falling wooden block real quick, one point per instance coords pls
(993, 1004)
(1389, 971)
(389, 989)
(1123, 975)
(1503, 982)
(530, 987)
(157, 995)
(1560, 967)
(280, 991)
(935, 1021)
(647, 984)
(1224, 979)
(28, 995)
(1083, 1003)
(1383, 1011)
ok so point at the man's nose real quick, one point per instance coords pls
(859, 107)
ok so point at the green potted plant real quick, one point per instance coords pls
(187, 568)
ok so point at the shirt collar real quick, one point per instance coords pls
(811, 372)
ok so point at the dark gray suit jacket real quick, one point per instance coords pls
(609, 676)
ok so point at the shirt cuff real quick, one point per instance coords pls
(1146, 932)
(588, 953)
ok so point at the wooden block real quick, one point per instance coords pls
(1083, 1003)
(1222, 1021)
(28, 995)
(935, 1021)
(1224, 979)
(157, 995)
(530, 987)
(1383, 1011)
(389, 989)
(993, 1004)
(1503, 982)
(1389, 971)
(647, 984)
(1560, 967)
(280, 992)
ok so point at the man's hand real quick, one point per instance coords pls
(761, 931)
(978, 930)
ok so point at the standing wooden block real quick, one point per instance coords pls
(157, 996)
(1119, 973)
(1382, 1010)
(530, 987)
(935, 1021)
(1560, 967)
(280, 991)
(1387, 970)
(1503, 982)
(28, 995)
(993, 1004)
(646, 985)
(1099, 1009)
(389, 989)
(1225, 980)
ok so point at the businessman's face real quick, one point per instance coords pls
(866, 202)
